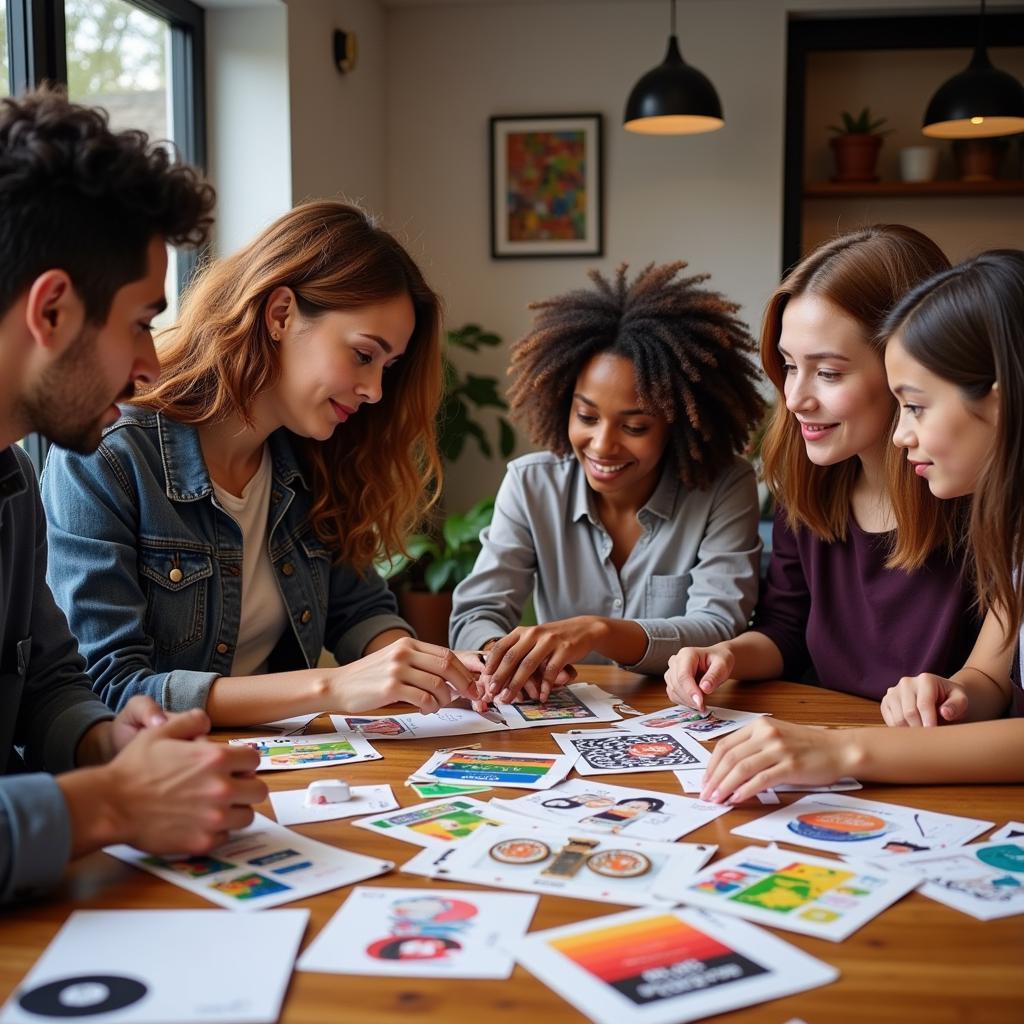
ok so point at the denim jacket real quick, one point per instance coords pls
(147, 566)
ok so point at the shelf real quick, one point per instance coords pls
(909, 189)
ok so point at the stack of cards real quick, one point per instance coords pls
(701, 725)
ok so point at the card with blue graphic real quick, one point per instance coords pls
(496, 768)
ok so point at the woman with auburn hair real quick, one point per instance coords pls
(226, 530)
(954, 361)
(865, 581)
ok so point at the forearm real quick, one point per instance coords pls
(251, 700)
(621, 640)
(381, 640)
(94, 824)
(972, 753)
(756, 656)
(987, 699)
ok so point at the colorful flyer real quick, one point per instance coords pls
(155, 966)
(693, 782)
(579, 702)
(421, 933)
(861, 828)
(616, 752)
(291, 808)
(828, 899)
(985, 880)
(701, 725)
(538, 857)
(616, 810)
(262, 865)
(667, 966)
(281, 753)
(438, 823)
(449, 721)
(496, 768)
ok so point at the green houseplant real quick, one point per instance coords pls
(855, 144)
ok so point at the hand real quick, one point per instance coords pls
(925, 700)
(105, 739)
(409, 671)
(536, 659)
(768, 753)
(696, 671)
(163, 794)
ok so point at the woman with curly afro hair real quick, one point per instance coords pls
(635, 528)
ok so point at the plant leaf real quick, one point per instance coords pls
(506, 438)
(483, 391)
(438, 574)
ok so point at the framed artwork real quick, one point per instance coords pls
(546, 186)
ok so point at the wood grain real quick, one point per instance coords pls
(919, 961)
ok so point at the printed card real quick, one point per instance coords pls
(424, 790)
(667, 966)
(281, 753)
(421, 933)
(496, 768)
(701, 725)
(262, 865)
(616, 752)
(693, 782)
(616, 810)
(1011, 830)
(155, 966)
(446, 722)
(579, 702)
(985, 880)
(861, 828)
(539, 857)
(439, 823)
(290, 807)
(799, 892)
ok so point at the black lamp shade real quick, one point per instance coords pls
(673, 99)
(977, 103)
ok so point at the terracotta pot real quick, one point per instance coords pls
(856, 156)
(979, 159)
(427, 613)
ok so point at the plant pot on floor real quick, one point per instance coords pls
(856, 156)
(427, 613)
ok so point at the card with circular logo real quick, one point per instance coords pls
(520, 851)
(619, 863)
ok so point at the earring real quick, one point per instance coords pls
(275, 336)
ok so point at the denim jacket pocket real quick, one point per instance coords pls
(319, 560)
(666, 596)
(175, 583)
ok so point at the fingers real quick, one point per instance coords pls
(189, 725)
(954, 707)
(423, 690)
(684, 669)
(731, 765)
(143, 712)
(246, 791)
(444, 663)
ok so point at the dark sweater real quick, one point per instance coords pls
(837, 610)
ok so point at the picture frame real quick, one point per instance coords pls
(547, 185)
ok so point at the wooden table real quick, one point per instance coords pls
(918, 961)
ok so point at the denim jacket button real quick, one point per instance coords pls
(305, 616)
(222, 648)
(288, 568)
(175, 575)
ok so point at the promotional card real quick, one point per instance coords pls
(495, 768)
(617, 752)
(281, 753)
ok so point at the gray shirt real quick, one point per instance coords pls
(46, 705)
(691, 578)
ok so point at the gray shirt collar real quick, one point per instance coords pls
(661, 503)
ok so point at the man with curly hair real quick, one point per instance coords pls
(85, 216)
(637, 525)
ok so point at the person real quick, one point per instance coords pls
(636, 527)
(865, 582)
(226, 530)
(953, 360)
(85, 216)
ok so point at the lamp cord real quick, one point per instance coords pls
(672, 15)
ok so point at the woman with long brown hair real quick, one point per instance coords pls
(227, 528)
(853, 596)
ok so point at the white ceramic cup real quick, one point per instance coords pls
(919, 163)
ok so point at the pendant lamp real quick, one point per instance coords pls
(674, 98)
(977, 103)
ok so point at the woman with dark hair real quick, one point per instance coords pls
(226, 530)
(865, 581)
(636, 528)
(955, 362)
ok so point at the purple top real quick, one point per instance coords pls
(837, 609)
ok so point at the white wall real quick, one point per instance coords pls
(248, 119)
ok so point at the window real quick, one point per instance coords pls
(5, 62)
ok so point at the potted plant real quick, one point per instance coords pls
(856, 144)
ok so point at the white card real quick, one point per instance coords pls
(570, 705)
(693, 782)
(495, 768)
(414, 726)
(320, 750)
(289, 726)
(155, 966)
(701, 725)
(539, 857)
(616, 810)
(828, 899)
(437, 823)
(261, 865)
(617, 752)
(290, 807)
(861, 828)
(985, 880)
(682, 965)
(421, 933)
(1011, 830)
